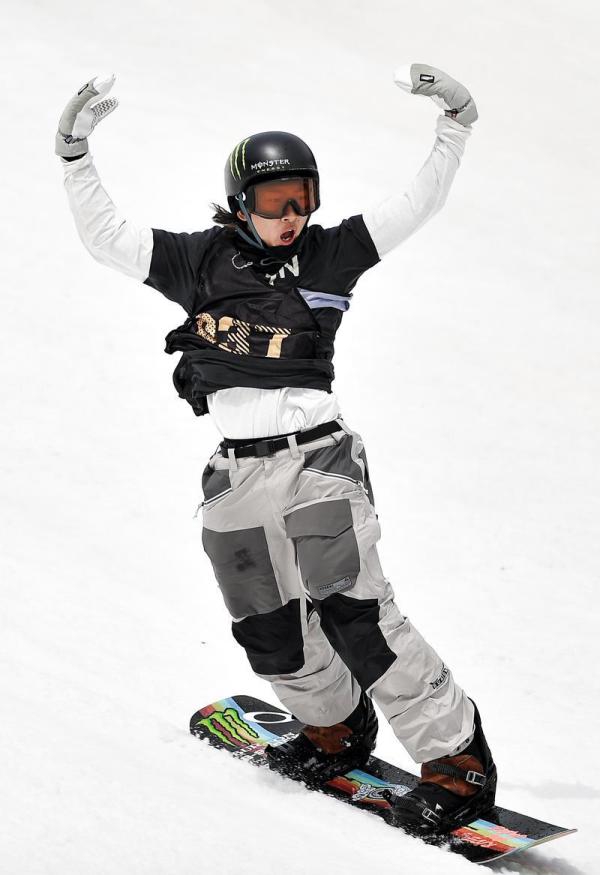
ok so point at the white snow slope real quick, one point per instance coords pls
(476, 392)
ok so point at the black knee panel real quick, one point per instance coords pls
(273, 642)
(352, 627)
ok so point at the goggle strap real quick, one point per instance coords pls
(257, 241)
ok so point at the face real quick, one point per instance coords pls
(278, 232)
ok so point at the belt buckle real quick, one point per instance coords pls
(264, 448)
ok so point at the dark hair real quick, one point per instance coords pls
(225, 217)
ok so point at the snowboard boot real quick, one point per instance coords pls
(453, 790)
(319, 753)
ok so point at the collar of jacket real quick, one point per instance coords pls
(270, 256)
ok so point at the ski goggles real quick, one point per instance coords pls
(271, 199)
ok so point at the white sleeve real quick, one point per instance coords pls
(109, 238)
(396, 218)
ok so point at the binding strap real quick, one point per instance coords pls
(468, 775)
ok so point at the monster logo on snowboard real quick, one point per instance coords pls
(244, 726)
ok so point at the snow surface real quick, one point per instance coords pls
(476, 394)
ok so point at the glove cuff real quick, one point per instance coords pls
(74, 149)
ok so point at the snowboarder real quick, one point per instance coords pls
(289, 521)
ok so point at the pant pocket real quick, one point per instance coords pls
(244, 570)
(326, 545)
(215, 484)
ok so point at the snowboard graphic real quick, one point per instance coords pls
(244, 726)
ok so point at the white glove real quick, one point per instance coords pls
(81, 115)
(449, 94)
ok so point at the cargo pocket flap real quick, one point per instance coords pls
(326, 518)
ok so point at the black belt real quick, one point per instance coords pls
(268, 446)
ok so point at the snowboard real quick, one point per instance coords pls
(244, 726)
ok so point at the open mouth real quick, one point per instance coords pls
(287, 236)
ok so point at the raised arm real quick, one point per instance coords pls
(109, 238)
(394, 220)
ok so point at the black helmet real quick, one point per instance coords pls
(269, 155)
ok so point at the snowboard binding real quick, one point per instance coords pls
(319, 753)
(453, 791)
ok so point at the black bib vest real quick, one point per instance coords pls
(256, 320)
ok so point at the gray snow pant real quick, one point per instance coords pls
(292, 540)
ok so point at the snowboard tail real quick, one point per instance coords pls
(244, 726)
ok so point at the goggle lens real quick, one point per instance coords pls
(270, 199)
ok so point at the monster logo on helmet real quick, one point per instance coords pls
(267, 157)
